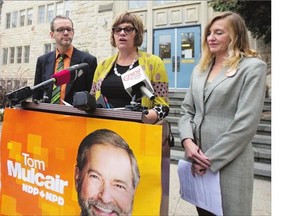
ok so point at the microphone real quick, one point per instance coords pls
(84, 101)
(87, 102)
(19, 95)
(62, 77)
(136, 83)
(69, 74)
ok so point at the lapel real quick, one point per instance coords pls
(203, 95)
(75, 59)
(200, 85)
(219, 79)
(224, 74)
(49, 67)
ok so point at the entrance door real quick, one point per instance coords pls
(179, 48)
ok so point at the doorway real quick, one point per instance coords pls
(180, 49)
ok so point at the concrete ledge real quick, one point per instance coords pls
(262, 169)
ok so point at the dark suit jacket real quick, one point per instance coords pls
(45, 69)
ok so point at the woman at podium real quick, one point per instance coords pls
(127, 35)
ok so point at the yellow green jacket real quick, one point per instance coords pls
(154, 69)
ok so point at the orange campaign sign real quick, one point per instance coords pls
(38, 158)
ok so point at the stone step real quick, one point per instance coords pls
(172, 119)
(266, 117)
(175, 112)
(176, 155)
(177, 95)
(263, 130)
(175, 103)
(264, 127)
(258, 152)
(261, 154)
(261, 169)
(173, 95)
(261, 141)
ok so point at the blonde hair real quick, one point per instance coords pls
(238, 47)
(133, 19)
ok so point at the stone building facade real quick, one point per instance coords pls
(90, 35)
(25, 27)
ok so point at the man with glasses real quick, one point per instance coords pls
(64, 56)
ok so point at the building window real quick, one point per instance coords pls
(8, 20)
(19, 54)
(5, 55)
(137, 4)
(50, 12)
(14, 19)
(47, 48)
(26, 54)
(22, 18)
(59, 8)
(161, 2)
(41, 14)
(12, 54)
(187, 45)
(29, 16)
(165, 50)
(67, 8)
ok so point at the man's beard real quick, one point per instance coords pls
(88, 205)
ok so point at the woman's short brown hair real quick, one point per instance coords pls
(133, 19)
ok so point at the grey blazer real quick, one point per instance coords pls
(223, 117)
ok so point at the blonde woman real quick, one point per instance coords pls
(222, 109)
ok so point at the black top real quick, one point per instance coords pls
(113, 89)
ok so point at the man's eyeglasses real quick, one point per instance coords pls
(127, 30)
(62, 30)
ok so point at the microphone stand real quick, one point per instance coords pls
(135, 106)
(22, 94)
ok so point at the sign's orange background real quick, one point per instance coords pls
(43, 147)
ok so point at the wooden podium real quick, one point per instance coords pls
(27, 140)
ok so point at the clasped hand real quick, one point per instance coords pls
(200, 162)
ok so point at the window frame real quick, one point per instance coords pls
(26, 54)
(14, 19)
(49, 12)
(132, 4)
(5, 56)
(29, 17)
(22, 17)
(19, 54)
(12, 55)
(41, 14)
(8, 20)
